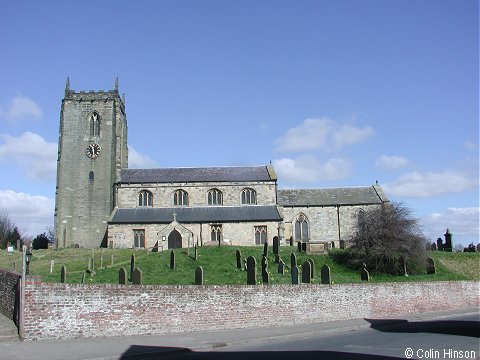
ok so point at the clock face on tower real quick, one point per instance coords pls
(93, 150)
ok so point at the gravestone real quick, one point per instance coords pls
(172, 260)
(306, 272)
(295, 275)
(266, 277)
(132, 265)
(448, 241)
(304, 247)
(199, 276)
(63, 275)
(101, 258)
(264, 264)
(431, 266)
(312, 267)
(89, 265)
(276, 245)
(439, 244)
(122, 276)
(238, 255)
(245, 264)
(293, 261)
(111, 260)
(137, 277)
(52, 263)
(325, 275)
(251, 271)
(265, 249)
(364, 275)
(299, 246)
(277, 258)
(83, 278)
(196, 253)
(291, 240)
(281, 267)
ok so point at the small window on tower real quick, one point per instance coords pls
(94, 125)
(91, 176)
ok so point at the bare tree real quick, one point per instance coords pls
(389, 241)
(6, 228)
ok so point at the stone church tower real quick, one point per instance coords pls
(92, 149)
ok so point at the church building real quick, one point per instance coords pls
(101, 202)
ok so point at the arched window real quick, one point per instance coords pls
(301, 228)
(94, 124)
(145, 198)
(215, 197)
(260, 235)
(180, 198)
(249, 196)
(216, 233)
(361, 222)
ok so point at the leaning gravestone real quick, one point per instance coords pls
(325, 275)
(122, 276)
(281, 267)
(199, 276)
(137, 277)
(63, 275)
(264, 264)
(295, 275)
(364, 275)
(251, 271)
(431, 266)
(266, 278)
(306, 272)
(238, 255)
(83, 278)
(293, 261)
(132, 265)
(312, 267)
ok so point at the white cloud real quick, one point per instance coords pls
(32, 153)
(421, 185)
(470, 145)
(463, 223)
(138, 160)
(392, 162)
(30, 213)
(307, 169)
(322, 133)
(21, 108)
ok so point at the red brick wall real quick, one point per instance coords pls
(54, 311)
(9, 293)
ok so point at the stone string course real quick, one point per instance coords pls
(60, 311)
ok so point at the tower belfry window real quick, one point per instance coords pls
(94, 124)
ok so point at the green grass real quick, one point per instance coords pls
(219, 265)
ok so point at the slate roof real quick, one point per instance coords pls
(203, 174)
(331, 197)
(186, 215)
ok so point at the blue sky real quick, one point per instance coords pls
(333, 93)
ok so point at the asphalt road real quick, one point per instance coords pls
(445, 338)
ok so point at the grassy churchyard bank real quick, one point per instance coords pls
(219, 266)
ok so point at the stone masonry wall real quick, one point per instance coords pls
(9, 286)
(56, 311)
